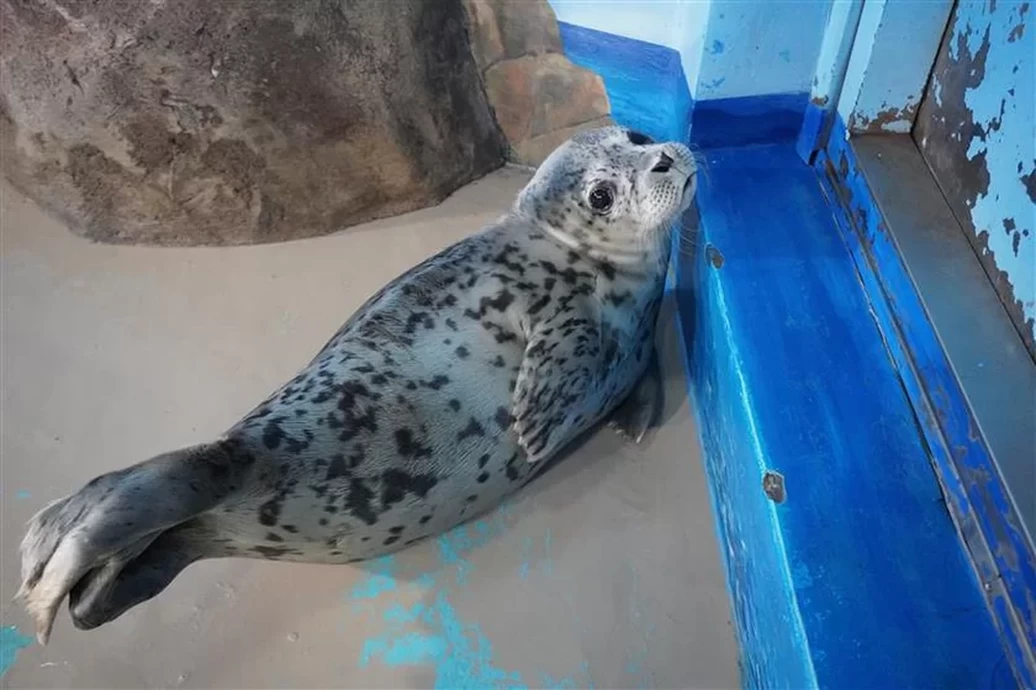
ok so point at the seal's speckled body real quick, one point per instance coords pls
(444, 393)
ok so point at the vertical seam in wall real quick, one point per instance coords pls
(926, 91)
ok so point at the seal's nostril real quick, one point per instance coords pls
(664, 163)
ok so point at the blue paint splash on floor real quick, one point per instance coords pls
(379, 581)
(433, 634)
(11, 642)
(459, 651)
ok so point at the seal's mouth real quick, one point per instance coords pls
(688, 181)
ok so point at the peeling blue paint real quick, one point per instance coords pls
(11, 642)
(1004, 106)
(891, 60)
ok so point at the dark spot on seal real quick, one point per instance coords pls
(390, 541)
(455, 405)
(396, 484)
(472, 498)
(290, 528)
(271, 551)
(503, 418)
(482, 478)
(482, 461)
(539, 304)
(436, 383)
(337, 467)
(269, 512)
(398, 529)
(773, 486)
(270, 536)
(463, 352)
(510, 469)
(409, 447)
(358, 502)
(472, 429)
(424, 519)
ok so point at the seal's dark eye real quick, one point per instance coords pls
(601, 199)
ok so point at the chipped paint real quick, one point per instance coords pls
(890, 62)
(975, 129)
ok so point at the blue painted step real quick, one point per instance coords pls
(858, 578)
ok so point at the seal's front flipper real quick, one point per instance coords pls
(642, 408)
(114, 518)
(550, 403)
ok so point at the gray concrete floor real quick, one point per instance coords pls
(603, 573)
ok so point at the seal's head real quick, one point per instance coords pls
(611, 193)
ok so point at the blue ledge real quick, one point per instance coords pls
(648, 91)
(978, 497)
(644, 81)
(857, 578)
(768, 119)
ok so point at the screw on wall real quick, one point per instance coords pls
(714, 256)
(773, 486)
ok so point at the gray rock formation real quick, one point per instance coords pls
(238, 121)
(539, 97)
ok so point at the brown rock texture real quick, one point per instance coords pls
(236, 122)
(539, 97)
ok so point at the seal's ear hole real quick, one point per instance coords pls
(601, 198)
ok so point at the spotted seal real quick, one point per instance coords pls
(446, 391)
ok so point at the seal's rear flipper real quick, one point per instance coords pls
(137, 574)
(117, 516)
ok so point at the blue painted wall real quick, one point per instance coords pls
(729, 52)
(677, 24)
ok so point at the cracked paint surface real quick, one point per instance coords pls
(975, 129)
